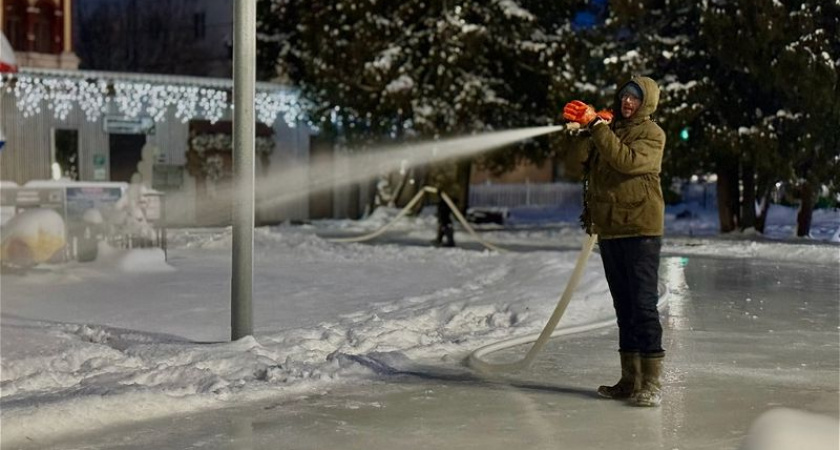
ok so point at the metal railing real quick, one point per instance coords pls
(525, 194)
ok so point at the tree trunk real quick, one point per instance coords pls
(464, 175)
(806, 209)
(764, 190)
(727, 195)
(371, 200)
(764, 208)
(748, 203)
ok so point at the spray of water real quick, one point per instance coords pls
(295, 183)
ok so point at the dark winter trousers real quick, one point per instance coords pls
(632, 269)
(445, 228)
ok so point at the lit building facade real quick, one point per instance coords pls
(40, 32)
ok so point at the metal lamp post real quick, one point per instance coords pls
(244, 80)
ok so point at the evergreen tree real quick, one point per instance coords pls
(755, 84)
(432, 67)
(781, 63)
(415, 68)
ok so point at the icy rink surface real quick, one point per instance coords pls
(139, 340)
(743, 338)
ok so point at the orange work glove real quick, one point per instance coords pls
(605, 114)
(579, 112)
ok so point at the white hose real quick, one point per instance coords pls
(466, 225)
(408, 207)
(475, 361)
(385, 227)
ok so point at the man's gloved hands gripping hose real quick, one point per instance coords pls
(585, 115)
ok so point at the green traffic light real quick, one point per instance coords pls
(684, 134)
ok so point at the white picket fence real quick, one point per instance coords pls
(526, 194)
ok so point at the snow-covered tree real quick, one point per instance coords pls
(431, 67)
(781, 60)
(750, 89)
(753, 83)
(415, 68)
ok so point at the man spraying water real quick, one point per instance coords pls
(624, 206)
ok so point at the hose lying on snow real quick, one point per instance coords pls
(475, 359)
(403, 213)
(413, 202)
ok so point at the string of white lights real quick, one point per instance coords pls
(97, 97)
(271, 105)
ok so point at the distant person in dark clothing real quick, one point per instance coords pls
(444, 177)
(445, 231)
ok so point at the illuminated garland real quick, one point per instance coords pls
(224, 142)
(270, 105)
(95, 97)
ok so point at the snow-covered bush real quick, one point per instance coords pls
(32, 237)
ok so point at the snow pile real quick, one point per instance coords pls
(129, 214)
(108, 375)
(32, 237)
(134, 335)
(132, 260)
(738, 246)
(380, 217)
(789, 429)
(781, 223)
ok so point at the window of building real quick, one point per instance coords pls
(43, 36)
(65, 154)
(155, 27)
(199, 26)
(43, 28)
(13, 27)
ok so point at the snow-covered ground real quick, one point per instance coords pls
(134, 335)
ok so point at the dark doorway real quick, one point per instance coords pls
(126, 152)
(67, 153)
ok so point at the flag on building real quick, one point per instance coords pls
(7, 55)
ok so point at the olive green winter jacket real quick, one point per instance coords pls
(624, 195)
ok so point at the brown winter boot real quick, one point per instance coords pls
(630, 378)
(650, 392)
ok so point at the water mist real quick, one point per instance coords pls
(295, 183)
